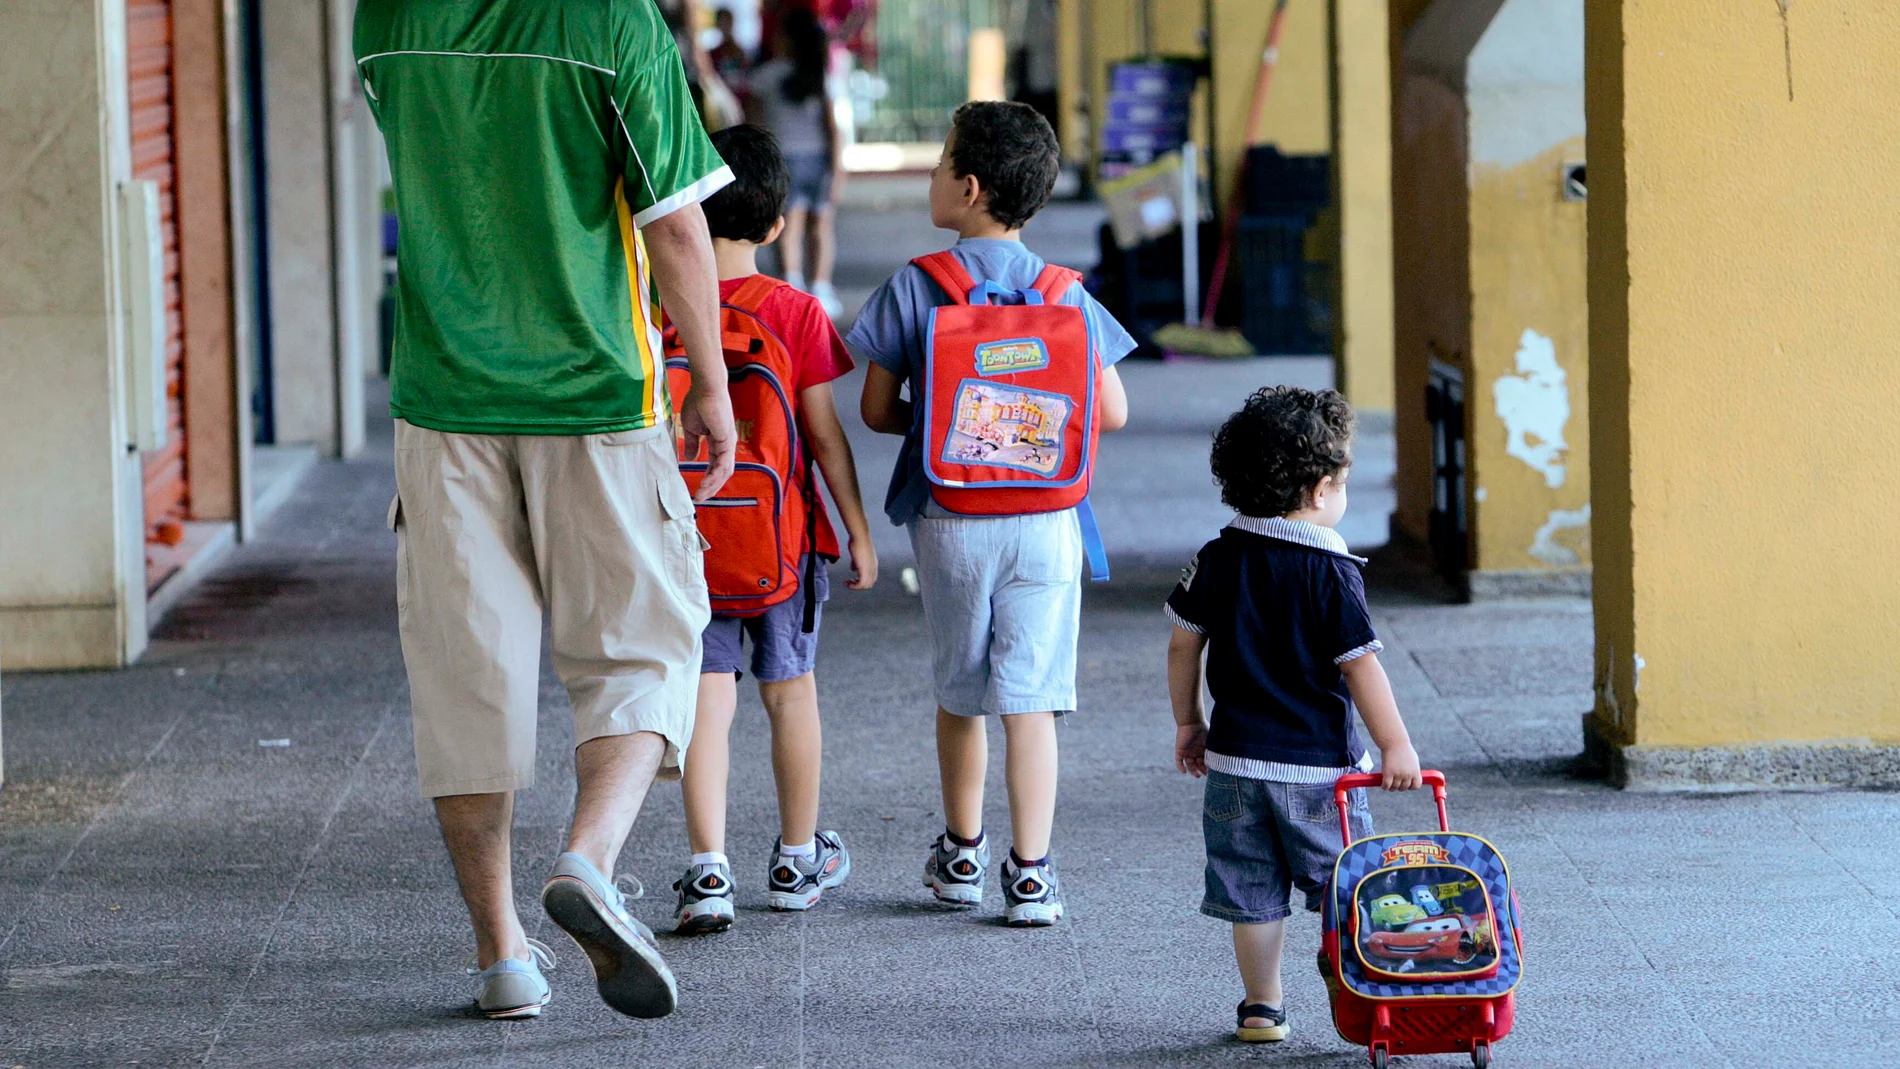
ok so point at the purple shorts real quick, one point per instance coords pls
(781, 650)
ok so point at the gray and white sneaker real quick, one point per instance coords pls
(1031, 894)
(705, 902)
(955, 872)
(629, 972)
(513, 989)
(796, 883)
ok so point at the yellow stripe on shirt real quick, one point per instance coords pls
(646, 308)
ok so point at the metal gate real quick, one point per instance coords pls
(149, 58)
(922, 70)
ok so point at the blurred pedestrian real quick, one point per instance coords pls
(715, 102)
(729, 57)
(791, 98)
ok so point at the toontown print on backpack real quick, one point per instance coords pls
(1010, 406)
(768, 517)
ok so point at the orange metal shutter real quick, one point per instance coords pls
(149, 30)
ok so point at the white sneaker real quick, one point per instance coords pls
(1031, 894)
(513, 989)
(796, 883)
(954, 872)
(796, 281)
(828, 298)
(705, 898)
(629, 972)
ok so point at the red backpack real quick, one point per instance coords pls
(1010, 409)
(764, 520)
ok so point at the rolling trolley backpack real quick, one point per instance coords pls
(764, 520)
(1009, 406)
(1420, 947)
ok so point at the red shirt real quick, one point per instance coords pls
(818, 354)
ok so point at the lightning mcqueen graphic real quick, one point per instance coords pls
(1456, 938)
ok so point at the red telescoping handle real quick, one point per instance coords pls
(1372, 779)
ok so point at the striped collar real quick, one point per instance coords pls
(1297, 531)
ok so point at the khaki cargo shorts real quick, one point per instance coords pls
(599, 530)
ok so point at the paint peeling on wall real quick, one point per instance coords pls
(1545, 546)
(1535, 405)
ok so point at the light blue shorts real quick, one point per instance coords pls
(1003, 600)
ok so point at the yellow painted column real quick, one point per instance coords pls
(1298, 116)
(1072, 88)
(1743, 220)
(1489, 260)
(1527, 393)
(1362, 136)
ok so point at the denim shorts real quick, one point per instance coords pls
(1265, 838)
(1003, 600)
(781, 650)
(811, 181)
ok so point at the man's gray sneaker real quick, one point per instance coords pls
(628, 970)
(513, 988)
(1031, 894)
(955, 872)
(796, 883)
(705, 902)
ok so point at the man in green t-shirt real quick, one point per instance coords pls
(548, 170)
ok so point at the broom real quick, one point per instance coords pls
(1204, 338)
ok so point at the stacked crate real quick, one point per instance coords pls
(1148, 107)
(1286, 278)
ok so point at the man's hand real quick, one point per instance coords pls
(1190, 749)
(683, 268)
(863, 564)
(1400, 768)
(706, 415)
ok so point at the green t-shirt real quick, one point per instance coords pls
(529, 140)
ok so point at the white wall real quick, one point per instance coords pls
(71, 516)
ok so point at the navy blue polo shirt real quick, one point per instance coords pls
(1283, 606)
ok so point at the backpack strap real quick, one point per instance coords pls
(753, 292)
(1054, 282)
(1092, 542)
(948, 273)
(812, 505)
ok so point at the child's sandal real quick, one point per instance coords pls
(1275, 1031)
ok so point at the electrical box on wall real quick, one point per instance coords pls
(143, 253)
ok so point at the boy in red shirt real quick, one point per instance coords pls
(744, 217)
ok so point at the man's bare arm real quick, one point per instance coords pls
(681, 248)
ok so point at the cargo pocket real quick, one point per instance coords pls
(1313, 804)
(682, 544)
(1222, 803)
(402, 553)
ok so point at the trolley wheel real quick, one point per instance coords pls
(1481, 1056)
(1378, 1058)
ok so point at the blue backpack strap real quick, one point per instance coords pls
(1092, 542)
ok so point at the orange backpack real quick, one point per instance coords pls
(1011, 413)
(765, 519)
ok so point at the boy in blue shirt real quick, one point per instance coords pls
(1277, 605)
(1003, 594)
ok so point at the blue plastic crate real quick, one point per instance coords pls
(1135, 139)
(1164, 80)
(1147, 111)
